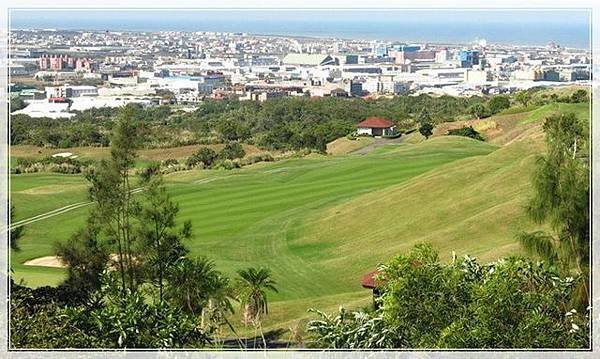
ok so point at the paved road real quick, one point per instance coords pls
(379, 142)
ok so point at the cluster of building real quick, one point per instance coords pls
(64, 62)
(94, 68)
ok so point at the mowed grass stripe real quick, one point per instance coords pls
(252, 216)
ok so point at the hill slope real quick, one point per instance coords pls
(319, 223)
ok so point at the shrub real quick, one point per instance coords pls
(204, 155)
(232, 150)
(466, 132)
(498, 103)
(511, 303)
(579, 96)
(426, 129)
(227, 164)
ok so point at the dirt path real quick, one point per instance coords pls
(379, 142)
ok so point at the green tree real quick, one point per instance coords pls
(478, 110)
(579, 96)
(467, 132)
(205, 155)
(561, 199)
(498, 103)
(523, 97)
(252, 286)
(112, 192)
(232, 150)
(426, 129)
(200, 290)
(86, 256)
(16, 104)
(161, 244)
(16, 232)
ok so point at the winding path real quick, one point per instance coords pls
(379, 142)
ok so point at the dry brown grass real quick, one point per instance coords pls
(343, 145)
(496, 129)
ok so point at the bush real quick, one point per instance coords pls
(232, 150)
(227, 164)
(579, 96)
(498, 103)
(170, 162)
(261, 157)
(478, 110)
(466, 132)
(424, 303)
(52, 164)
(204, 155)
(426, 129)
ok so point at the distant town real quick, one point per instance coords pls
(57, 73)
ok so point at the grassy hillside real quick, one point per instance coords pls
(321, 222)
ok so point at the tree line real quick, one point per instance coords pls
(284, 124)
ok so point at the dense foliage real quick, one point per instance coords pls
(466, 132)
(287, 123)
(561, 199)
(511, 303)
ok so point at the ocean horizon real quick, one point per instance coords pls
(510, 27)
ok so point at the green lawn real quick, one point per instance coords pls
(581, 110)
(319, 223)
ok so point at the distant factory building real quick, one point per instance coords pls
(406, 48)
(400, 88)
(67, 91)
(309, 60)
(351, 59)
(468, 58)
(534, 74)
(551, 75)
(477, 77)
(205, 88)
(400, 57)
(356, 88)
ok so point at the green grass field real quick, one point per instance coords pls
(321, 222)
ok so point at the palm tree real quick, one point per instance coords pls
(252, 292)
(191, 283)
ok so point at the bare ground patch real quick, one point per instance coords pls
(53, 189)
(56, 262)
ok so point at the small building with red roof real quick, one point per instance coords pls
(369, 282)
(376, 126)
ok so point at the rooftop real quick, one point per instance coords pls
(375, 122)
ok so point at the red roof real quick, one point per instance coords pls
(368, 280)
(375, 122)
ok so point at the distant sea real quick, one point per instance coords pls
(567, 28)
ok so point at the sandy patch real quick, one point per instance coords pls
(63, 154)
(48, 261)
(54, 261)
